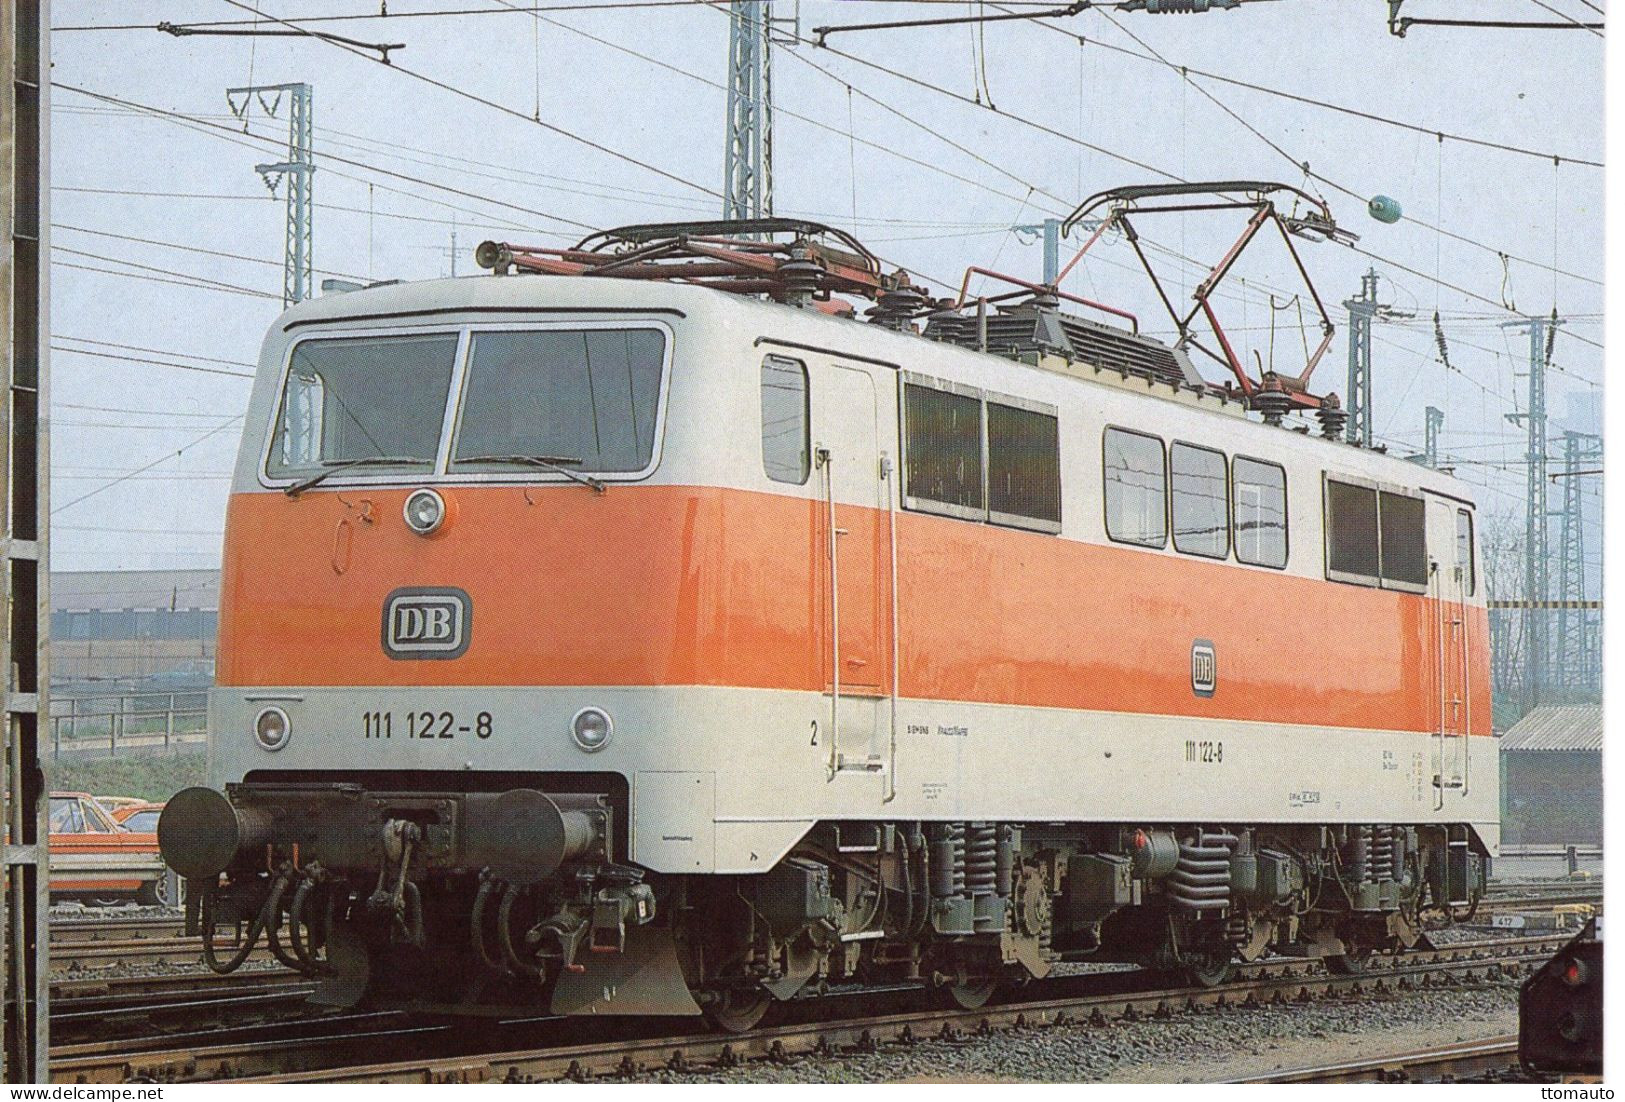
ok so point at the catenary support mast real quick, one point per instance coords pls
(24, 473)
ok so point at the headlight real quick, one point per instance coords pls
(272, 729)
(591, 729)
(425, 511)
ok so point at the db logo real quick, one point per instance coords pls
(1204, 668)
(426, 623)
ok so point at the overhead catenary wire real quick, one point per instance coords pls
(156, 363)
(196, 286)
(563, 132)
(201, 281)
(1023, 120)
(1327, 105)
(937, 133)
(227, 133)
(1302, 165)
(1594, 28)
(168, 455)
(152, 351)
(183, 248)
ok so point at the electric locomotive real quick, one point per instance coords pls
(640, 630)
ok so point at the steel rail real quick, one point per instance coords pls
(1459, 1058)
(73, 930)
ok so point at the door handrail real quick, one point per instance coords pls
(1466, 681)
(1440, 688)
(886, 475)
(825, 463)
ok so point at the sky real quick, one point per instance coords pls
(930, 143)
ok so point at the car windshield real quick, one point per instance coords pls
(142, 822)
(349, 399)
(66, 818)
(585, 396)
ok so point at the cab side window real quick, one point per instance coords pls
(1375, 537)
(1201, 499)
(1260, 506)
(1136, 489)
(943, 451)
(1351, 533)
(786, 444)
(1404, 540)
(1023, 466)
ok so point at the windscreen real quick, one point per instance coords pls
(586, 398)
(360, 398)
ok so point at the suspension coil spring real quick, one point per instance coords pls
(981, 859)
(1201, 879)
(1382, 852)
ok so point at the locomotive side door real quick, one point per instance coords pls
(1450, 581)
(847, 420)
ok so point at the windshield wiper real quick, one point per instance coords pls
(335, 466)
(558, 464)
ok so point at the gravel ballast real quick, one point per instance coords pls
(1213, 1046)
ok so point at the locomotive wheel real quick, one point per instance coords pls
(973, 994)
(731, 1010)
(1349, 964)
(1210, 971)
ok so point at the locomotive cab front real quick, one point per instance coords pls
(457, 572)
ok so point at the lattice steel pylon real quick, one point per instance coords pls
(1575, 663)
(748, 161)
(298, 171)
(1537, 569)
(25, 109)
(1358, 401)
(1433, 422)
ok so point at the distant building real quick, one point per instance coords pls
(126, 632)
(1551, 777)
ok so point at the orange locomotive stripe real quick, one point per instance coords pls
(658, 585)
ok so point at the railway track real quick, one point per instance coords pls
(87, 1010)
(115, 992)
(556, 1049)
(74, 931)
(1484, 1060)
(98, 955)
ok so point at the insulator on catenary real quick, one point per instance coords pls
(1185, 7)
(1384, 209)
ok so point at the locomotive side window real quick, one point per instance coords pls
(944, 451)
(786, 448)
(1023, 466)
(1260, 493)
(1403, 524)
(1136, 489)
(586, 398)
(1351, 533)
(1201, 498)
(363, 398)
(1464, 552)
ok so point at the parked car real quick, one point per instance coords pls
(96, 859)
(139, 816)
